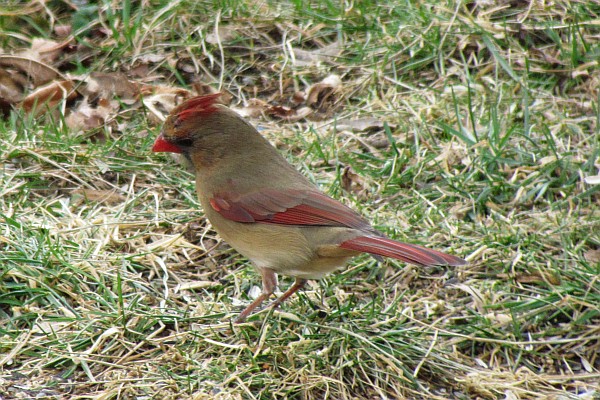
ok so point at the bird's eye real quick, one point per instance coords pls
(184, 142)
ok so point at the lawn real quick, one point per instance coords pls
(469, 127)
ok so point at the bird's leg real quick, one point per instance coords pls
(269, 282)
(293, 289)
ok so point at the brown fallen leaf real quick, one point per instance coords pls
(201, 89)
(280, 111)
(149, 90)
(11, 90)
(257, 107)
(109, 85)
(160, 100)
(62, 30)
(378, 140)
(299, 98)
(85, 117)
(592, 256)
(322, 95)
(45, 50)
(361, 124)
(151, 58)
(301, 113)
(49, 95)
(139, 70)
(253, 109)
(225, 33)
(351, 182)
(326, 53)
(37, 72)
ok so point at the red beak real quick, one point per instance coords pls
(162, 146)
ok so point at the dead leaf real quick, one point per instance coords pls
(139, 70)
(299, 98)
(255, 108)
(62, 30)
(85, 117)
(322, 95)
(45, 50)
(201, 89)
(378, 140)
(160, 100)
(280, 111)
(361, 124)
(351, 182)
(364, 143)
(151, 58)
(223, 34)
(301, 113)
(150, 90)
(49, 95)
(10, 90)
(311, 57)
(39, 73)
(592, 256)
(108, 85)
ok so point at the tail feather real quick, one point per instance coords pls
(409, 253)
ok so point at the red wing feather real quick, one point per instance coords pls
(409, 253)
(290, 207)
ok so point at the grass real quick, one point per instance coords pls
(112, 285)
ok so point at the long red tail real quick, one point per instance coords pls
(409, 253)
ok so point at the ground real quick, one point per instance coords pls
(469, 127)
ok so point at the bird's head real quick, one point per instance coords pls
(185, 126)
(212, 137)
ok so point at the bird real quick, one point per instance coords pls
(266, 209)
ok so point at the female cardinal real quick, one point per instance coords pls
(267, 210)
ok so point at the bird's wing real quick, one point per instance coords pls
(287, 207)
(312, 208)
